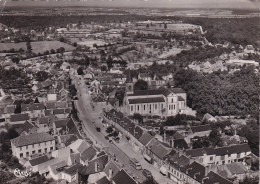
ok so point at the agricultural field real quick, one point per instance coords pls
(90, 42)
(37, 47)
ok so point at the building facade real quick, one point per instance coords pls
(160, 102)
(28, 145)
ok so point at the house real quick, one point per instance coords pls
(111, 169)
(214, 178)
(177, 162)
(199, 131)
(7, 111)
(220, 155)
(123, 177)
(236, 169)
(79, 146)
(144, 76)
(18, 118)
(87, 155)
(158, 152)
(100, 100)
(194, 173)
(60, 126)
(33, 163)
(27, 145)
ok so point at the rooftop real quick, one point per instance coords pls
(30, 139)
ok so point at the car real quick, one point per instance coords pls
(147, 173)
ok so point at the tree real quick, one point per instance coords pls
(15, 60)
(141, 85)
(80, 71)
(62, 39)
(215, 138)
(42, 76)
(29, 47)
(109, 62)
(138, 117)
(165, 26)
(109, 130)
(53, 51)
(75, 44)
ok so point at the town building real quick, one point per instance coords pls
(160, 102)
(27, 145)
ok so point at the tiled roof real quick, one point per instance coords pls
(88, 154)
(60, 123)
(19, 117)
(9, 109)
(145, 138)
(180, 143)
(213, 178)
(146, 100)
(138, 132)
(177, 90)
(61, 104)
(39, 160)
(123, 178)
(113, 166)
(160, 150)
(31, 139)
(239, 148)
(103, 180)
(59, 111)
(195, 171)
(43, 120)
(25, 107)
(179, 161)
(200, 128)
(144, 75)
(50, 105)
(146, 92)
(37, 106)
(180, 98)
(47, 112)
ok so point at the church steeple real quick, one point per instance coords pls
(129, 84)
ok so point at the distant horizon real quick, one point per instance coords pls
(168, 4)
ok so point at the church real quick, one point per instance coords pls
(160, 102)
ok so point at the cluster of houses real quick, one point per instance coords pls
(68, 158)
(172, 155)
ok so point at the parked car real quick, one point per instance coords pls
(147, 173)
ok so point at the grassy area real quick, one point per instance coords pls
(40, 46)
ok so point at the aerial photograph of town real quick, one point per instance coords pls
(129, 91)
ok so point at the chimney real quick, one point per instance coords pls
(96, 167)
(110, 173)
(187, 171)
(195, 175)
(203, 180)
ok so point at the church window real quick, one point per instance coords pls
(138, 107)
(172, 100)
(155, 106)
(144, 107)
(132, 108)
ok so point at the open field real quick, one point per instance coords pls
(37, 47)
(90, 42)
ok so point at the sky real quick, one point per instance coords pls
(139, 3)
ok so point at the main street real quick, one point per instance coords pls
(88, 116)
(121, 150)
